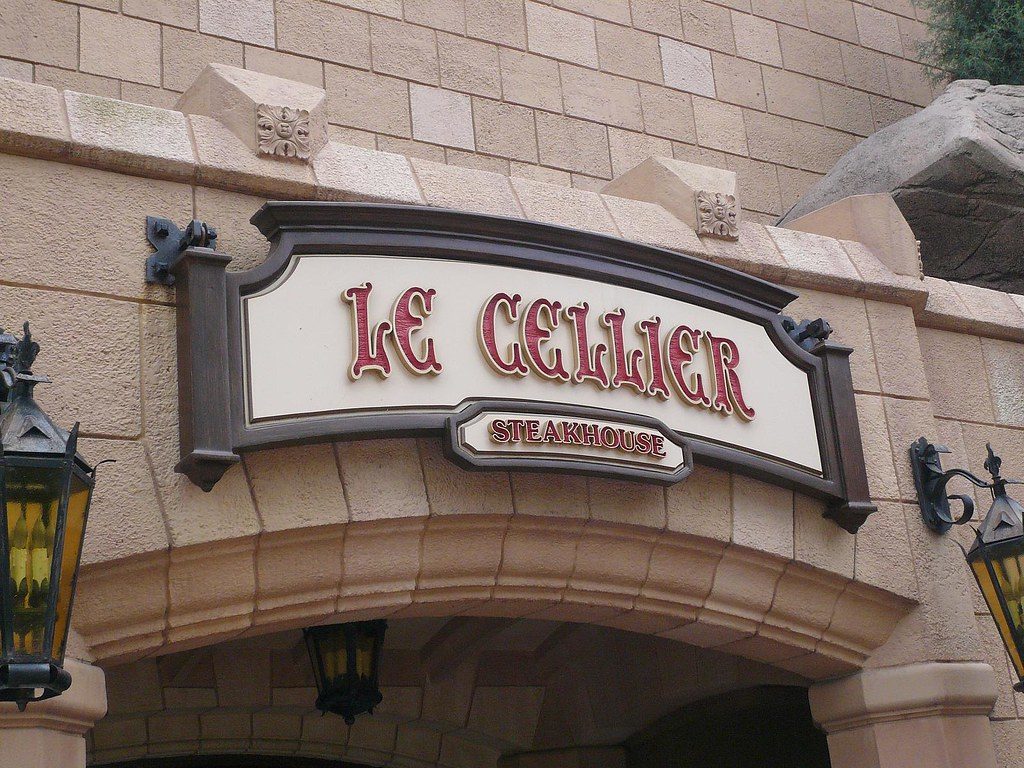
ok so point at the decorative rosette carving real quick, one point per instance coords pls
(282, 131)
(716, 215)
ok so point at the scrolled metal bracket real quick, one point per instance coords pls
(170, 242)
(930, 481)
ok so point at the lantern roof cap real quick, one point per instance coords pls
(25, 428)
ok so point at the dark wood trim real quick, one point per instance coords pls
(214, 427)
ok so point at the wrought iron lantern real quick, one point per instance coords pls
(346, 663)
(996, 557)
(45, 489)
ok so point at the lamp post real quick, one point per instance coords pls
(997, 556)
(45, 489)
(346, 663)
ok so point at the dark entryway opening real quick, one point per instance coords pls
(763, 727)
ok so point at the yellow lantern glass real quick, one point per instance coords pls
(346, 660)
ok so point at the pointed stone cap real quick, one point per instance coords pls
(701, 197)
(272, 116)
(874, 220)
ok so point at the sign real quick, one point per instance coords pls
(523, 346)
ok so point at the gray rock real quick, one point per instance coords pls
(956, 171)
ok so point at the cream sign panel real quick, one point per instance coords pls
(386, 332)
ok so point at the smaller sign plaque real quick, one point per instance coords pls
(506, 435)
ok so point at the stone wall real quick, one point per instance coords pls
(572, 93)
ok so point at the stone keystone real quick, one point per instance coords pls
(270, 115)
(701, 197)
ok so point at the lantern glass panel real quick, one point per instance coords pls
(365, 642)
(1001, 569)
(334, 655)
(32, 504)
(74, 533)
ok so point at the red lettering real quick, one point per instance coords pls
(571, 431)
(682, 344)
(406, 322)
(537, 331)
(517, 429)
(725, 356)
(658, 446)
(609, 437)
(514, 366)
(590, 435)
(652, 338)
(643, 443)
(368, 349)
(551, 433)
(532, 430)
(627, 367)
(500, 432)
(589, 363)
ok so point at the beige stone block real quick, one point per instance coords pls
(381, 556)
(476, 161)
(354, 173)
(758, 185)
(233, 96)
(250, 21)
(505, 129)
(456, 491)
(499, 21)
(285, 65)
(909, 81)
(820, 256)
(657, 16)
(561, 35)
(102, 391)
(46, 133)
(121, 486)
(298, 573)
(383, 479)
(563, 206)
(51, 38)
(908, 420)
(354, 137)
(707, 25)
(954, 394)
(610, 10)
(211, 589)
(739, 81)
(811, 54)
(628, 503)
(538, 553)
(186, 54)
(297, 487)
(1004, 361)
(985, 305)
(687, 67)
(404, 50)
(573, 145)
(449, 15)
(792, 95)
(673, 184)
(818, 541)
(174, 13)
(530, 80)
(650, 223)
(587, 183)
(120, 47)
(667, 113)
(540, 173)
(509, 712)
(885, 111)
(757, 39)
(224, 161)
(411, 148)
(149, 96)
(441, 117)
(448, 186)
(846, 109)
(702, 504)
(771, 138)
(794, 184)
(550, 495)
(461, 551)
(680, 576)
(897, 350)
(762, 516)
(720, 126)
(864, 69)
(195, 517)
(369, 101)
(173, 727)
(111, 734)
(878, 30)
(628, 52)
(877, 448)
(754, 251)
(601, 97)
(154, 142)
(741, 595)
(469, 65)
(16, 70)
(324, 31)
(66, 80)
(610, 563)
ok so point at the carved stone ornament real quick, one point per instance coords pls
(716, 215)
(282, 131)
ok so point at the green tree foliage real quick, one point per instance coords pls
(976, 39)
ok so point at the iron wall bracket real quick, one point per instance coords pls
(170, 242)
(930, 481)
